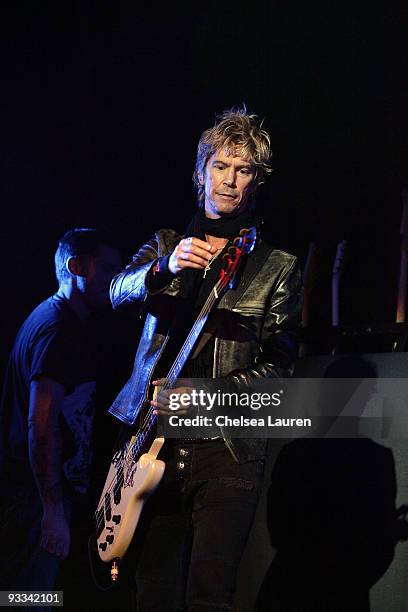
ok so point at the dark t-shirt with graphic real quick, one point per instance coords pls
(51, 343)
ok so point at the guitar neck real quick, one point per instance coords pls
(242, 246)
(147, 428)
(191, 339)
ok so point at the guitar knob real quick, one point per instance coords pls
(103, 546)
(110, 539)
(116, 518)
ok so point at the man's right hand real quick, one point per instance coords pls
(55, 534)
(191, 253)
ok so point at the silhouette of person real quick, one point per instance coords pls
(331, 513)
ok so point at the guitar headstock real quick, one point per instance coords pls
(241, 247)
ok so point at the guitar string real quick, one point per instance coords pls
(134, 384)
(136, 444)
(208, 305)
(150, 417)
(213, 296)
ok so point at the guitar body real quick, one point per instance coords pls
(126, 489)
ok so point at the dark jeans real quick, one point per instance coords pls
(194, 528)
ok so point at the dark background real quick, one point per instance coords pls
(101, 107)
(103, 102)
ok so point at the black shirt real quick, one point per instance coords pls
(51, 343)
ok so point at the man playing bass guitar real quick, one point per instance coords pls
(194, 528)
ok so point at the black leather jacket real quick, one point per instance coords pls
(253, 324)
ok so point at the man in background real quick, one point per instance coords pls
(46, 414)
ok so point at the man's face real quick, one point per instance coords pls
(228, 182)
(100, 270)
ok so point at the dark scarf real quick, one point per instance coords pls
(225, 227)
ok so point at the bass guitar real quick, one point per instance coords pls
(135, 471)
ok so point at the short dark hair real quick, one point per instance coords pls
(78, 242)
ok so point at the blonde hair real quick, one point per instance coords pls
(240, 134)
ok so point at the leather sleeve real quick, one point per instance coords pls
(146, 274)
(278, 348)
